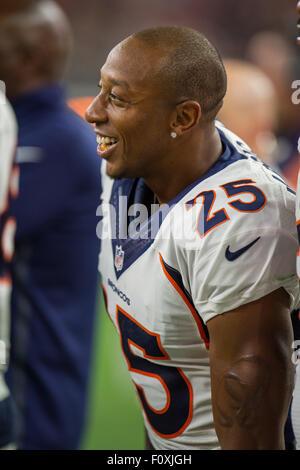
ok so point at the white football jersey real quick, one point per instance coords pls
(8, 139)
(295, 410)
(298, 217)
(8, 136)
(226, 240)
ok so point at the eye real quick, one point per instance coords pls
(115, 97)
(117, 100)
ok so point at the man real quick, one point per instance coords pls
(201, 290)
(250, 107)
(295, 411)
(55, 267)
(8, 136)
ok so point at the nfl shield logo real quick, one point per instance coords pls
(119, 258)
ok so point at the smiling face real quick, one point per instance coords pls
(132, 113)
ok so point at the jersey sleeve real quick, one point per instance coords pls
(8, 138)
(298, 218)
(243, 262)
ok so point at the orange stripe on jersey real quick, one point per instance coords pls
(106, 301)
(5, 281)
(187, 302)
(14, 182)
(7, 239)
(297, 224)
(5, 205)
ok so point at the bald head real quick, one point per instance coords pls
(191, 67)
(249, 107)
(35, 42)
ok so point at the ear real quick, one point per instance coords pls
(185, 117)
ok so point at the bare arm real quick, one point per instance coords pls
(252, 375)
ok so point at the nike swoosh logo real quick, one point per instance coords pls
(232, 255)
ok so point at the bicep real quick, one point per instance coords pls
(252, 372)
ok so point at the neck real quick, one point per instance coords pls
(192, 158)
(14, 93)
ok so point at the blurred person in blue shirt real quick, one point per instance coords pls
(55, 266)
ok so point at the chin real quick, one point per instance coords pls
(119, 173)
(114, 172)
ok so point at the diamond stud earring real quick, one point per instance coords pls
(173, 135)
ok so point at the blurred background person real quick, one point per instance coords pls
(8, 190)
(55, 265)
(295, 412)
(250, 108)
(273, 53)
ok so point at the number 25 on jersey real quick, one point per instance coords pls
(207, 219)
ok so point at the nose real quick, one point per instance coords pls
(96, 111)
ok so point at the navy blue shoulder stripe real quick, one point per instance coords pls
(175, 278)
